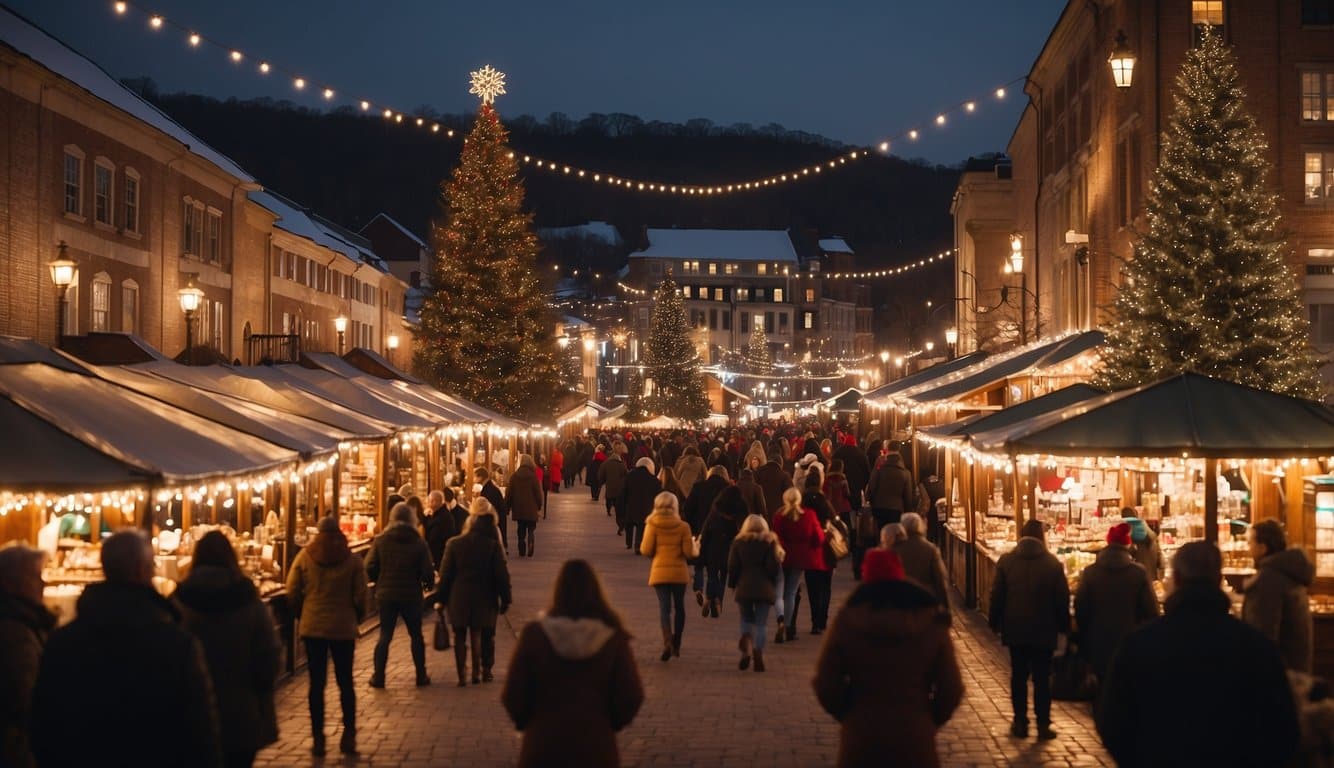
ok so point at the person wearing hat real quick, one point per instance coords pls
(889, 705)
(1144, 544)
(1113, 598)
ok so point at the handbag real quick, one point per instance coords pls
(1072, 677)
(440, 637)
(836, 539)
(867, 530)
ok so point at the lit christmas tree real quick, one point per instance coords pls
(486, 328)
(1207, 288)
(758, 360)
(671, 361)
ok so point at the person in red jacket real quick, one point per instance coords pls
(802, 538)
(555, 466)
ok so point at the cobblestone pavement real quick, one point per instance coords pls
(700, 709)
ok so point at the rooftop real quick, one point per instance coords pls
(719, 244)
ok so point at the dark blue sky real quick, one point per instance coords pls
(853, 70)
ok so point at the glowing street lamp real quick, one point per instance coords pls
(391, 344)
(63, 272)
(340, 325)
(191, 298)
(1122, 61)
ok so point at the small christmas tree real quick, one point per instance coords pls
(486, 327)
(758, 360)
(1207, 288)
(671, 361)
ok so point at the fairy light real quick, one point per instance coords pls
(194, 40)
(263, 67)
(155, 22)
(236, 56)
(299, 83)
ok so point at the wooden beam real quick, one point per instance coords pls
(1211, 500)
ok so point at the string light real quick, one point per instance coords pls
(492, 84)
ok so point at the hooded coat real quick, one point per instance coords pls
(223, 610)
(753, 567)
(1113, 598)
(400, 565)
(327, 588)
(1276, 604)
(689, 470)
(523, 495)
(667, 541)
(891, 487)
(24, 627)
(126, 652)
(887, 673)
(701, 501)
(571, 676)
(474, 578)
(772, 481)
(1030, 598)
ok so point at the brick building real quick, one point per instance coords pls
(1078, 164)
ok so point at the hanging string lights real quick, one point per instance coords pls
(300, 83)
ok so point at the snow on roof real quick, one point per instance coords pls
(293, 219)
(31, 41)
(594, 230)
(834, 245)
(406, 232)
(720, 244)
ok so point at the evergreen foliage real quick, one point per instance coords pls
(758, 360)
(1208, 288)
(671, 360)
(486, 327)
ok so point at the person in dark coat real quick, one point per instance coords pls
(890, 490)
(1113, 598)
(400, 565)
(889, 704)
(1220, 683)
(751, 493)
(819, 580)
(125, 652)
(493, 495)
(855, 469)
(1030, 606)
(612, 475)
(641, 487)
(773, 481)
(475, 583)
(697, 509)
(25, 625)
(921, 560)
(1144, 545)
(715, 543)
(1276, 602)
(573, 672)
(223, 610)
(753, 569)
(524, 496)
(592, 477)
(456, 511)
(444, 523)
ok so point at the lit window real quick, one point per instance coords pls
(808, 320)
(1318, 96)
(717, 294)
(685, 291)
(810, 297)
(743, 294)
(694, 267)
(101, 318)
(131, 201)
(713, 268)
(1319, 177)
(1206, 15)
(761, 269)
(73, 181)
(129, 306)
(732, 269)
(103, 172)
(778, 295)
(187, 226)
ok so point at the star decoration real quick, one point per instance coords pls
(487, 83)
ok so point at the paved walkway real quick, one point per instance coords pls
(700, 710)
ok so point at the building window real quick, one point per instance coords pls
(1206, 15)
(743, 294)
(1318, 13)
(778, 295)
(731, 269)
(810, 296)
(727, 320)
(713, 268)
(215, 340)
(718, 294)
(761, 269)
(73, 181)
(213, 238)
(768, 320)
(101, 303)
(192, 222)
(129, 306)
(1319, 177)
(808, 320)
(655, 267)
(1322, 323)
(131, 201)
(103, 172)
(1318, 96)
(745, 322)
(685, 291)
(72, 307)
(782, 322)
(289, 265)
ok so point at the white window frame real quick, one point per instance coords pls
(72, 307)
(99, 303)
(72, 152)
(717, 294)
(129, 306)
(213, 236)
(778, 295)
(219, 317)
(101, 165)
(713, 268)
(1322, 93)
(130, 204)
(761, 269)
(1322, 174)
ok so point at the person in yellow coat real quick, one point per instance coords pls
(667, 540)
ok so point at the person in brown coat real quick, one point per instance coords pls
(921, 559)
(572, 672)
(751, 494)
(475, 584)
(24, 626)
(887, 671)
(524, 497)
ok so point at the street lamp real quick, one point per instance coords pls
(340, 325)
(898, 363)
(952, 339)
(563, 342)
(190, 298)
(1122, 61)
(391, 344)
(930, 345)
(1017, 266)
(63, 272)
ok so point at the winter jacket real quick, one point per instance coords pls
(126, 655)
(891, 486)
(772, 481)
(1220, 683)
(856, 469)
(641, 487)
(24, 627)
(753, 496)
(701, 501)
(554, 469)
(223, 610)
(888, 674)
(474, 579)
(460, 515)
(1113, 598)
(592, 471)
(753, 567)
(442, 527)
(523, 495)
(571, 676)
(612, 474)
(837, 491)
(400, 565)
(491, 492)
(667, 541)
(689, 471)
(1030, 598)
(1277, 605)
(922, 564)
(802, 469)
(1150, 555)
(715, 540)
(802, 539)
(327, 588)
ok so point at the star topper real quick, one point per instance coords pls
(487, 84)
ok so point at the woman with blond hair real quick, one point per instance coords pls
(753, 568)
(475, 584)
(667, 540)
(801, 536)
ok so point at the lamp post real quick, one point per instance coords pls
(391, 343)
(1017, 266)
(63, 272)
(884, 362)
(340, 325)
(930, 345)
(898, 363)
(951, 339)
(1122, 62)
(190, 298)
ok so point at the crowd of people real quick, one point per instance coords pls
(768, 512)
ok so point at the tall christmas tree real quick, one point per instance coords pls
(671, 360)
(758, 360)
(486, 328)
(1207, 288)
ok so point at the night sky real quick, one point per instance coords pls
(853, 71)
